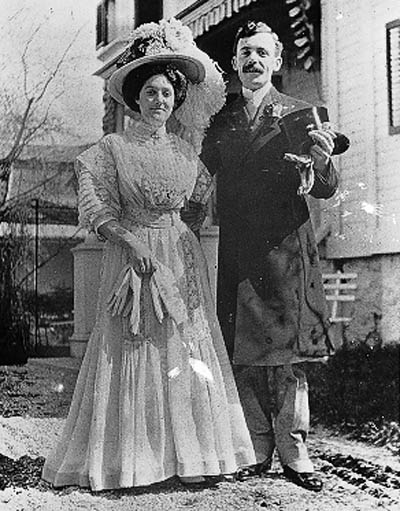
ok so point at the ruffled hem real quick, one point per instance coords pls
(117, 480)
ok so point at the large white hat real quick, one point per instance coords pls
(191, 67)
(171, 42)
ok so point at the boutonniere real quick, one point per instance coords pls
(271, 115)
(276, 110)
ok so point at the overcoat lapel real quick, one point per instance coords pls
(266, 125)
(236, 142)
(246, 138)
(265, 134)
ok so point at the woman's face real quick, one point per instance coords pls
(156, 100)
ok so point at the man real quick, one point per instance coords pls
(270, 299)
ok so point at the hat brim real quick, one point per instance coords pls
(192, 68)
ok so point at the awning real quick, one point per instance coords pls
(201, 16)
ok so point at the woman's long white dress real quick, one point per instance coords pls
(156, 399)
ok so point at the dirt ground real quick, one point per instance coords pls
(34, 400)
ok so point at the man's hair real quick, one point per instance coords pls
(257, 27)
(135, 80)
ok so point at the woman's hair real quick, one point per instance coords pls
(136, 79)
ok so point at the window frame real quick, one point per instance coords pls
(394, 129)
(102, 24)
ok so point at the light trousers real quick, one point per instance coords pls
(275, 404)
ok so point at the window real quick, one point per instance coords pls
(393, 72)
(106, 30)
(102, 24)
(148, 10)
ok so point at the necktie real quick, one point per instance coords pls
(251, 109)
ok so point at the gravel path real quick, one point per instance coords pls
(34, 400)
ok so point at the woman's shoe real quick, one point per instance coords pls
(257, 470)
(193, 480)
(222, 478)
(228, 478)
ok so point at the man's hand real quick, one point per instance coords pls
(323, 146)
(194, 214)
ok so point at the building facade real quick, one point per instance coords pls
(361, 85)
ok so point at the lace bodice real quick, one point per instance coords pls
(139, 176)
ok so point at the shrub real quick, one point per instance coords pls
(356, 386)
(14, 324)
(56, 304)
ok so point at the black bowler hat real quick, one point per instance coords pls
(296, 126)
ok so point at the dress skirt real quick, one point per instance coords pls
(160, 402)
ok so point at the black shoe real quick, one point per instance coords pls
(307, 480)
(223, 478)
(257, 470)
(194, 482)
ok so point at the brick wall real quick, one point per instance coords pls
(355, 88)
(391, 298)
(365, 214)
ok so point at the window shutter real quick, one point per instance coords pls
(393, 70)
(102, 24)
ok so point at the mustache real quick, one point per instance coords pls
(252, 68)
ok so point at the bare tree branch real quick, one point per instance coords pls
(18, 198)
(6, 162)
(23, 60)
(31, 123)
(49, 105)
(57, 68)
(16, 14)
(32, 132)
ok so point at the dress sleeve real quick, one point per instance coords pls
(98, 195)
(204, 185)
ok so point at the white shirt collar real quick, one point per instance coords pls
(256, 96)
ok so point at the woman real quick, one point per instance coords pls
(155, 396)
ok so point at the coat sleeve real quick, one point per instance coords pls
(98, 195)
(210, 154)
(204, 185)
(326, 182)
(194, 211)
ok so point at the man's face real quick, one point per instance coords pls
(256, 60)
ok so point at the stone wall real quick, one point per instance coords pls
(368, 296)
(378, 292)
(391, 297)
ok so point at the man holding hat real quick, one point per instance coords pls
(270, 300)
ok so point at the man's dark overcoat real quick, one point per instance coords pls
(270, 299)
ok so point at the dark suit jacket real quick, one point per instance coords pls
(271, 304)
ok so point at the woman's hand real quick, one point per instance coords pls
(142, 260)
